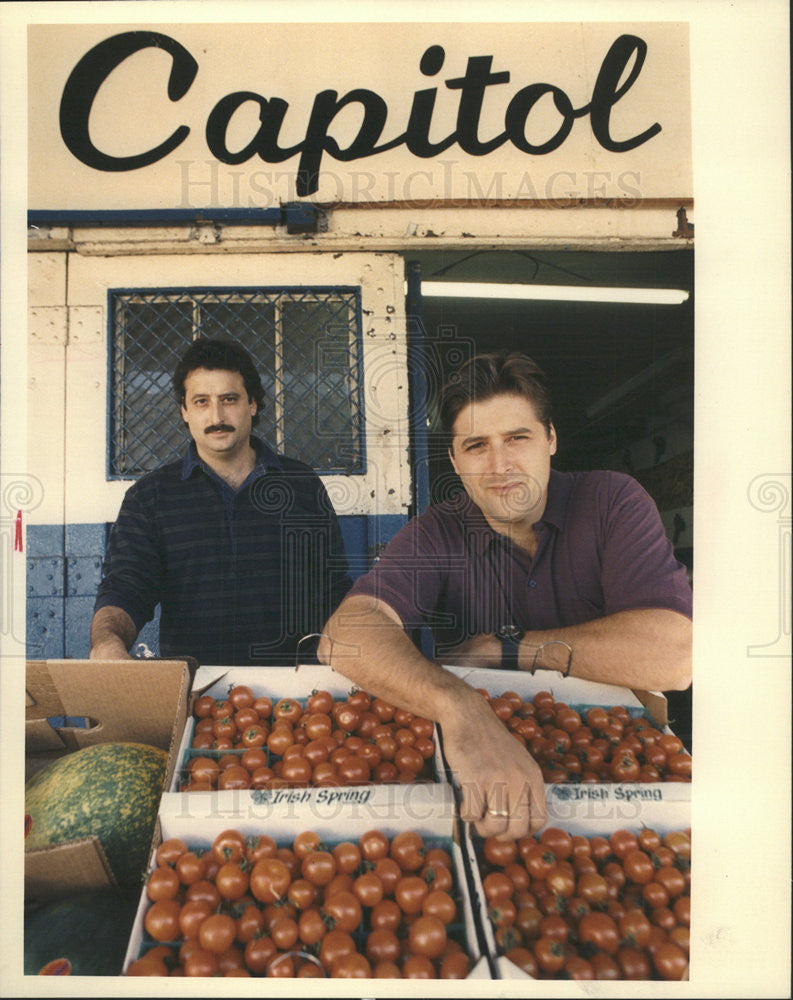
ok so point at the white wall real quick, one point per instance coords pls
(68, 345)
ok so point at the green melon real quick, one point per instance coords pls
(83, 935)
(110, 791)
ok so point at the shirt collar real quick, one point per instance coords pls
(266, 459)
(560, 487)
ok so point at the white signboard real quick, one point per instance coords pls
(250, 116)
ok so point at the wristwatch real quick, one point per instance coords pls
(509, 636)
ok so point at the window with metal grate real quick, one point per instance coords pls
(305, 342)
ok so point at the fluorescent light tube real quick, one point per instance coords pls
(561, 293)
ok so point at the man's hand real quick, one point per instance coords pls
(502, 786)
(112, 634)
(503, 792)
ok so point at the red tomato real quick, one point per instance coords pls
(241, 696)
(410, 893)
(497, 888)
(524, 959)
(550, 953)
(344, 910)
(204, 889)
(217, 933)
(427, 936)
(318, 867)
(269, 879)
(162, 920)
(258, 954)
(600, 930)
(229, 845)
(374, 845)
(386, 914)
(634, 963)
(347, 855)
(334, 945)
(170, 850)
(250, 923)
(407, 849)
(264, 706)
(455, 965)
(418, 967)
(320, 701)
(557, 840)
(368, 889)
(232, 880)
(234, 776)
(499, 851)
(439, 903)
(311, 926)
(670, 961)
(354, 770)
(288, 709)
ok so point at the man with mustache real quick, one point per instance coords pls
(529, 568)
(238, 545)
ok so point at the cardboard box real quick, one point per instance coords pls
(572, 690)
(599, 813)
(578, 694)
(72, 704)
(427, 809)
(297, 683)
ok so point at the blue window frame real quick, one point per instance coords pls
(305, 341)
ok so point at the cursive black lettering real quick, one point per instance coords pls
(607, 92)
(618, 73)
(264, 143)
(327, 105)
(472, 88)
(520, 108)
(88, 76)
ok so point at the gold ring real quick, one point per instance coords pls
(497, 812)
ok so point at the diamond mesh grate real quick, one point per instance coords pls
(305, 344)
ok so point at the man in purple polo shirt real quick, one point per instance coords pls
(529, 569)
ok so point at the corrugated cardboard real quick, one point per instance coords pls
(141, 701)
(577, 693)
(598, 816)
(297, 683)
(427, 809)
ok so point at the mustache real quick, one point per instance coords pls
(218, 427)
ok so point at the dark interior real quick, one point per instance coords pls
(619, 374)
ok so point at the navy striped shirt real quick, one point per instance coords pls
(241, 576)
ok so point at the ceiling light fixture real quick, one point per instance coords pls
(559, 293)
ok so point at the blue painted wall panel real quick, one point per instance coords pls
(45, 576)
(45, 540)
(85, 539)
(77, 627)
(83, 574)
(45, 617)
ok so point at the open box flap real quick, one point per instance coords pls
(102, 692)
(67, 869)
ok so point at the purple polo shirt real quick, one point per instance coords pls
(601, 549)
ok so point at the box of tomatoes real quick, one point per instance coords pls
(581, 732)
(602, 892)
(306, 889)
(258, 732)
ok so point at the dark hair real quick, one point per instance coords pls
(496, 374)
(226, 356)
